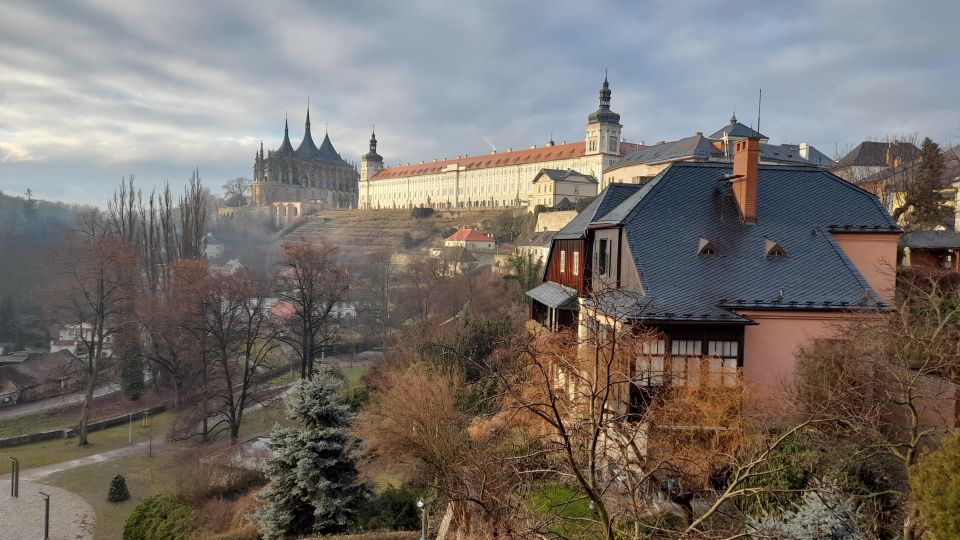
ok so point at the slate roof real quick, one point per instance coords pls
(735, 129)
(696, 146)
(874, 154)
(700, 148)
(540, 239)
(607, 200)
(931, 240)
(814, 156)
(797, 207)
(554, 295)
(783, 153)
(568, 175)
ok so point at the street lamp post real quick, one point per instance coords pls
(46, 515)
(423, 519)
(14, 477)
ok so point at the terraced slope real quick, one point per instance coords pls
(377, 230)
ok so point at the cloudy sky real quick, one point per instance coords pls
(93, 91)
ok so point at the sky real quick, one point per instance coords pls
(96, 90)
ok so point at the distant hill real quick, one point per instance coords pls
(30, 230)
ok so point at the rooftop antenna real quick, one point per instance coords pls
(759, 100)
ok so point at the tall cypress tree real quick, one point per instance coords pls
(314, 483)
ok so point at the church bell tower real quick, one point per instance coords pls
(603, 126)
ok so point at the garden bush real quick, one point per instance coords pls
(160, 517)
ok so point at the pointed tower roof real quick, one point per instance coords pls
(307, 149)
(326, 151)
(285, 146)
(604, 115)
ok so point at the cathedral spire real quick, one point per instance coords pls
(308, 149)
(285, 146)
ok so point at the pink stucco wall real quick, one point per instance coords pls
(875, 256)
(770, 347)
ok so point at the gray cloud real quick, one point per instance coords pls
(90, 91)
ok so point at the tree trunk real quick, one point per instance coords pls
(85, 413)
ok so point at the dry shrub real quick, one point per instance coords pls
(214, 515)
(227, 520)
(195, 480)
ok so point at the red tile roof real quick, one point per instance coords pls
(517, 157)
(468, 235)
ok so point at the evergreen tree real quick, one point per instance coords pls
(118, 489)
(314, 484)
(131, 377)
(820, 515)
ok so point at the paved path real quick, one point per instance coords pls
(21, 518)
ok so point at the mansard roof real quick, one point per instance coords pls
(568, 175)
(798, 207)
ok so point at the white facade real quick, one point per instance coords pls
(491, 180)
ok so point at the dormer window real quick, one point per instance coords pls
(773, 249)
(706, 247)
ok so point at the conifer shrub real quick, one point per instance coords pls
(118, 489)
(160, 517)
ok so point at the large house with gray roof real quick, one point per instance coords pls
(736, 263)
(647, 161)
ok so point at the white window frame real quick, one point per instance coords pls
(649, 369)
(685, 358)
(723, 359)
(563, 261)
(576, 263)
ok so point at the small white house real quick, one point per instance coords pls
(470, 239)
(72, 336)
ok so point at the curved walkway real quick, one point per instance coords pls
(71, 518)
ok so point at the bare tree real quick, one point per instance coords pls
(312, 282)
(888, 391)
(242, 343)
(235, 191)
(94, 293)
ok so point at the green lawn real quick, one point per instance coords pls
(145, 476)
(57, 450)
(351, 375)
(34, 423)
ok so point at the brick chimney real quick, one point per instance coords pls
(746, 158)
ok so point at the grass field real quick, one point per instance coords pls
(145, 476)
(58, 450)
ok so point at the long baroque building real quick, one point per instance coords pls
(307, 174)
(496, 179)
